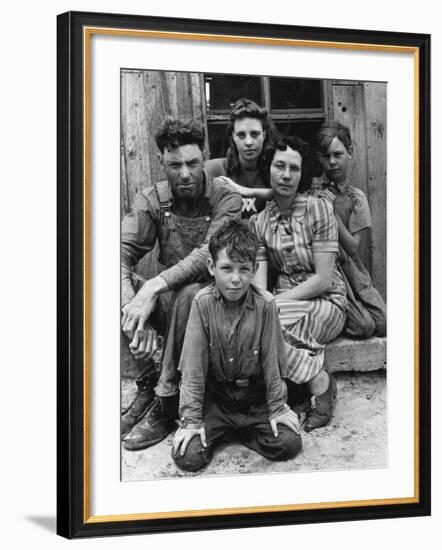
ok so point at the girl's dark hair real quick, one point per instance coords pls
(175, 132)
(302, 147)
(246, 108)
(238, 239)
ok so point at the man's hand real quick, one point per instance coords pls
(184, 435)
(139, 309)
(144, 343)
(288, 418)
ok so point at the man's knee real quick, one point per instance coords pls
(195, 458)
(288, 444)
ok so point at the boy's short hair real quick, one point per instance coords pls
(175, 132)
(330, 130)
(238, 239)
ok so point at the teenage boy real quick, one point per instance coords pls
(233, 361)
(366, 313)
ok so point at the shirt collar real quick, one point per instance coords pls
(248, 300)
(297, 210)
(342, 187)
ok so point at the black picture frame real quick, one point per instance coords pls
(73, 518)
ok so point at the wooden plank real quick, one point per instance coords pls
(349, 109)
(184, 95)
(328, 100)
(156, 107)
(375, 101)
(197, 93)
(124, 202)
(169, 92)
(199, 105)
(135, 135)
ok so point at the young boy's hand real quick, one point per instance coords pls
(288, 418)
(184, 435)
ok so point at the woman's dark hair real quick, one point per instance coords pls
(308, 160)
(246, 108)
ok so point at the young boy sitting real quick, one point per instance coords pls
(232, 362)
(366, 312)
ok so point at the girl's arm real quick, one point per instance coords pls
(250, 192)
(316, 285)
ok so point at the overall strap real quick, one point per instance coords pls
(164, 195)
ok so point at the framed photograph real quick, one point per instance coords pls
(336, 119)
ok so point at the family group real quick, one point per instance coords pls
(261, 270)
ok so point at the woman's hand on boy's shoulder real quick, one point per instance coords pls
(183, 436)
(288, 418)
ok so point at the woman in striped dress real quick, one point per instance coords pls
(298, 237)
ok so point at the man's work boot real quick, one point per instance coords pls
(138, 407)
(321, 411)
(155, 425)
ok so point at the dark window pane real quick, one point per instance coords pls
(218, 141)
(223, 90)
(293, 93)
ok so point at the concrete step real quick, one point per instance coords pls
(342, 354)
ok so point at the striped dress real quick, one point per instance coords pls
(288, 240)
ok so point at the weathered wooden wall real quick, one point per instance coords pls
(362, 107)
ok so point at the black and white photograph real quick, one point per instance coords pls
(253, 274)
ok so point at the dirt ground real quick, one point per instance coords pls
(355, 439)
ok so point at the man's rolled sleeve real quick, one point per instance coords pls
(138, 237)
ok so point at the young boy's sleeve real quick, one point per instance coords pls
(274, 361)
(360, 217)
(193, 366)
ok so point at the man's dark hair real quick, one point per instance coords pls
(174, 132)
(330, 130)
(238, 239)
(308, 161)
